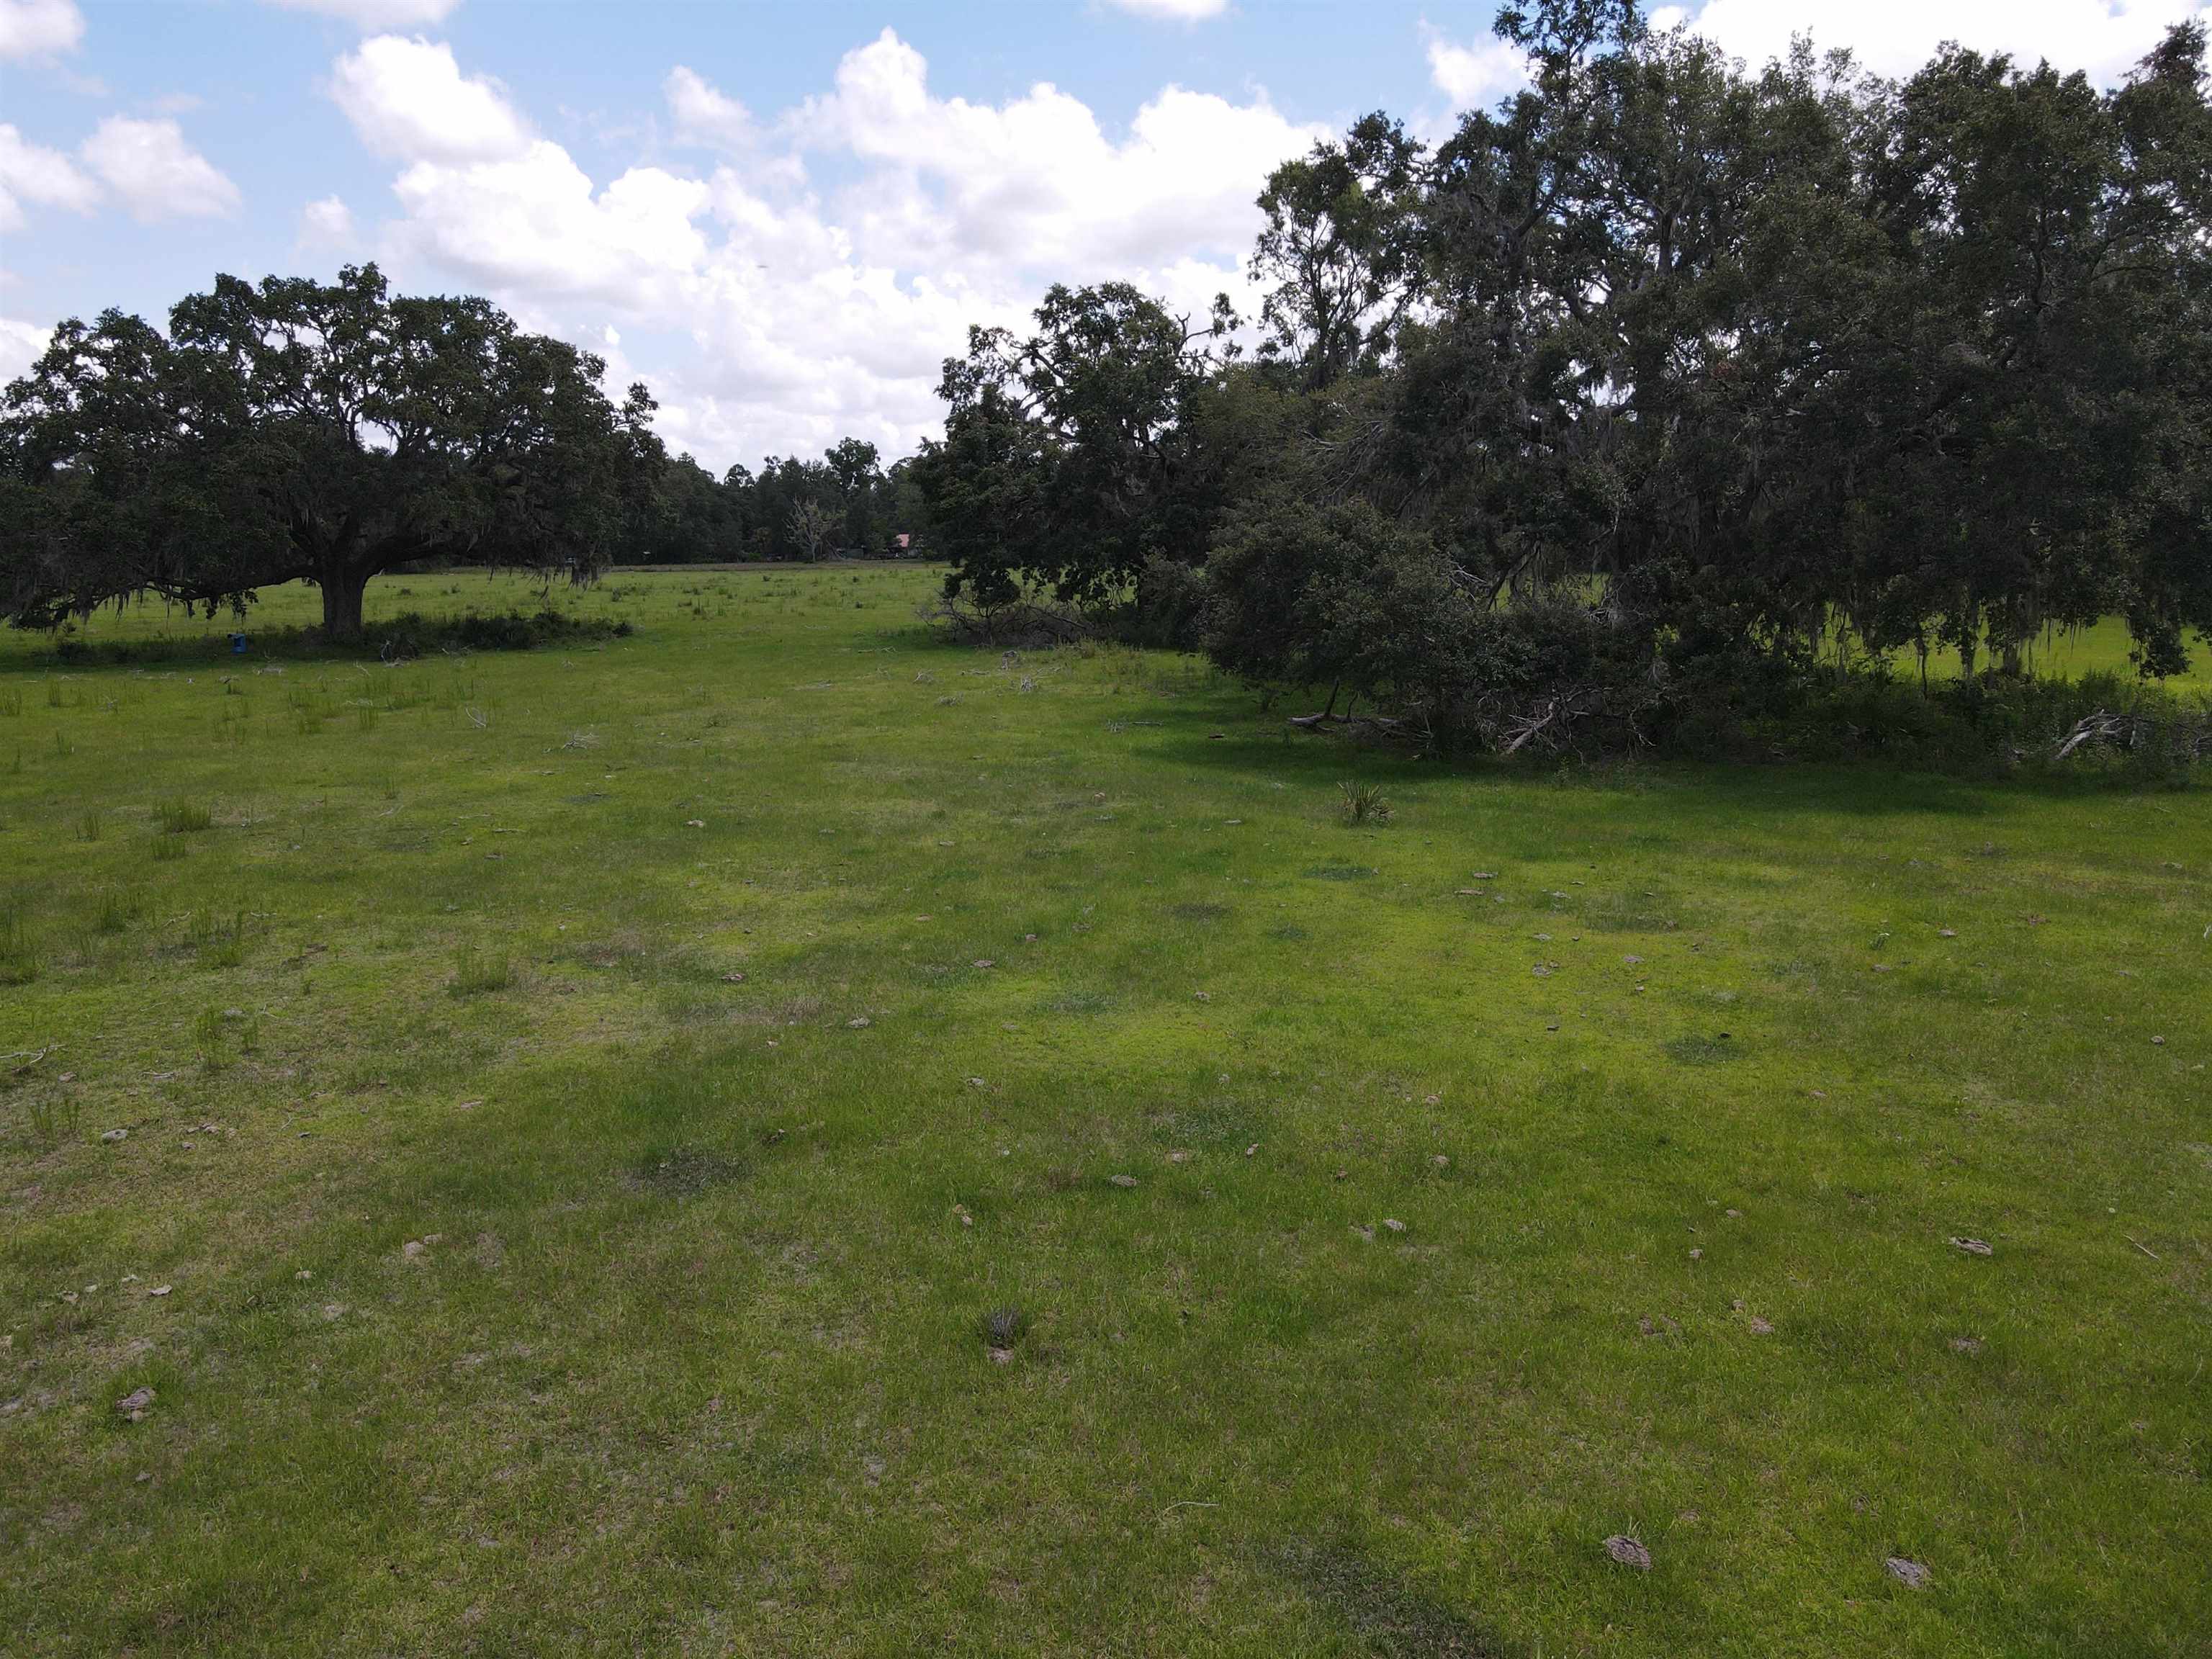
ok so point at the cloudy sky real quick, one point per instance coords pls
(781, 214)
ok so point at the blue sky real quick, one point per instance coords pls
(781, 215)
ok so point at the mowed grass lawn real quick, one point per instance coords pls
(580, 1107)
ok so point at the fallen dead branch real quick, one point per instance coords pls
(1025, 623)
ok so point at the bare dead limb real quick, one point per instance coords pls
(1035, 623)
(1548, 726)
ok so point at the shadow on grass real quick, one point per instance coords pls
(1866, 789)
(1391, 1617)
(395, 639)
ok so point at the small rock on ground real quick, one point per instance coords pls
(1911, 1574)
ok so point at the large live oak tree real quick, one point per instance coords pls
(298, 429)
(1664, 376)
(1075, 458)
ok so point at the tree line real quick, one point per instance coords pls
(1669, 390)
(293, 429)
(848, 504)
(1667, 384)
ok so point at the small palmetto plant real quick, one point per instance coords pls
(1365, 804)
(1003, 1327)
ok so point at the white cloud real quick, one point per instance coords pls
(532, 223)
(156, 175)
(977, 187)
(1895, 37)
(407, 98)
(32, 172)
(370, 16)
(21, 344)
(768, 319)
(33, 28)
(1181, 11)
(1475, 77)
(326, 225)
(705, 116)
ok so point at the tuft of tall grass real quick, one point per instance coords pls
(53, 1117)
(217, 1032)
(166, 851)
(219, 941)
(477, 971)
(182, 818)
(19, 958)
(88, 824)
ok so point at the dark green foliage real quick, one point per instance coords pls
(1342, 246)
(300, 429)
(847, 504)
(1655, 403)
(1073, 460)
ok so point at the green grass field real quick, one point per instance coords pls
(579, 1110)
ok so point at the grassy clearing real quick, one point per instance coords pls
(979, 1154)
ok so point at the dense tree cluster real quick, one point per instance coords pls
(1665, 373)
(848, 504)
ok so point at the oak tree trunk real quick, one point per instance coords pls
(343, 588)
